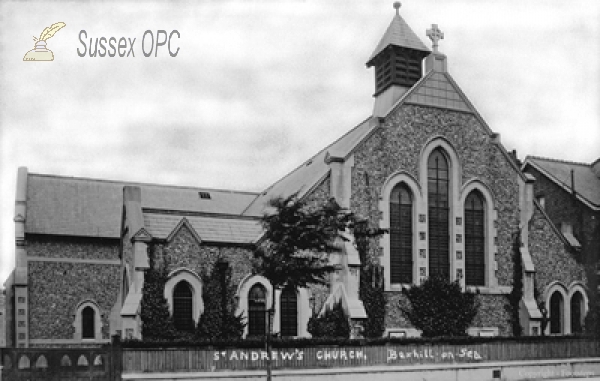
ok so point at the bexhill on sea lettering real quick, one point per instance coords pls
(463, 354)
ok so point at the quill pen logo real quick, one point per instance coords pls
(41, 52)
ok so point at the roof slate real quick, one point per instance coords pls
(212, 229)
(90, 207)
(587, 184)
(308, 175)
(399, 34)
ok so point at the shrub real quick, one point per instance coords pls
(440, 308)
(332, 323)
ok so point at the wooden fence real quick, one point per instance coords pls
(194, 360)
(108, 363)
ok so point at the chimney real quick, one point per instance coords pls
(596, 168)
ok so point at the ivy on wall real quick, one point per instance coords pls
(219, 320)
(157, 323)
(515, 296)
(371, 286)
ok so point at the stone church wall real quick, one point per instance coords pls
(64, 277)
(397, 145)
(55, 290)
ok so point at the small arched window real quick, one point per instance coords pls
(88, 323)
(289, 312)
(401, 235)
(438, 200)
(257, 309)
(556, 313)
(474, 240)
(183, 307)
(577, 312)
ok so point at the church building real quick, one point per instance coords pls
(424, 165)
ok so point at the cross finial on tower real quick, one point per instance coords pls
(397, 6)
(435, 34)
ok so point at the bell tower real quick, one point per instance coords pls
(398, 61)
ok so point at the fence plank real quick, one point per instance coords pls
(195, 359)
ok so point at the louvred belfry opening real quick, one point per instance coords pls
(398, 57)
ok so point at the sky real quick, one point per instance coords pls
(258, 87)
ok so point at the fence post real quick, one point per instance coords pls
(116, 361)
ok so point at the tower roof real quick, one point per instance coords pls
(399, 34)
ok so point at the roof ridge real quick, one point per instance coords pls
(187, 213)
(557, 160)
(253, 193)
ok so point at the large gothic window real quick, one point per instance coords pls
(289, 312)
(474, 240)
(88, 323)
(577, 313)
(401, 235)
(257, 309)
(556, 313)
(439, 214)
(183, 307)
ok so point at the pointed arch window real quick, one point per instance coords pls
(183, 307)
(289, 312)
(577, 312)
(257, 310)
(474, 239)
(556, 313)
(439, 214)
(88, 323)
(401, 235)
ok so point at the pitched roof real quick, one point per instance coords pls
(399, 34)
(304, 178)
(90, 207)
(208, 228)
(587, 184)
(435, 89)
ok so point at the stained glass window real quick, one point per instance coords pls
(401, 235)
(474, 240)
(183, 307)
(438, 221)
(257, 309)
(289, 312)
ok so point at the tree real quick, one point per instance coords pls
(297, 240)
(219, 320)
(295, 247)
(440, 308)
